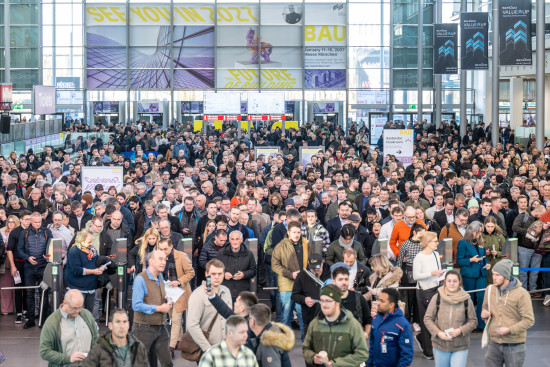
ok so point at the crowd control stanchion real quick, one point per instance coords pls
(186, 245)
(47, 283)
(121, 262)
(56, 245)
(252, 244)
(383, 244)
(514, 256)
(448, 253)
(318, 246)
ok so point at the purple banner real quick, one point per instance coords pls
(325, 79)
(43, 100)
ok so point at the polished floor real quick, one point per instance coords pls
(20, 346)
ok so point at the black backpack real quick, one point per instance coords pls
(438, 302)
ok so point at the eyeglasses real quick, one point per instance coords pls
(327, 301)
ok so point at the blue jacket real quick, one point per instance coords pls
(34, 243)
(464, 252)
(77, 261)
(398, 337)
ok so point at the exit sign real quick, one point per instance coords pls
(17, 106)
(412, 106)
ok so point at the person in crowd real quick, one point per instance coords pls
(78, 218)
(336, 223)
(402, 230)
(472, 259)
(493, 241)
(116, 228)
(450, 318)
(426, 273)
(240, 266)
(68, 334)
(334, 322)
(456, 229)
(386, 230)
(33, 249)
(231, 351)
(202, 314)
(396, 350)
(150, 306)
(137, 257)
(335, 252)
(178, 272)
(61, 232)
(359, 273)
(117, 347)
(384, 275)
(210, 249)
(509, 320)
(312, 229)
(10, 269)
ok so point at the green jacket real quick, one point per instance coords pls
(50, 338)
(335, 253)
(344, 340)
(490, 240)
(103, 354)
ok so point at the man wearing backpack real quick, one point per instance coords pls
(266, 241)
(351, 300)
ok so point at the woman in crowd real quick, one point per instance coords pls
(6, 279)
(241, 194)
(275, 202)
(431, 225)
(493, 241)
(59, 197)
(209, 228)
(426, 272)
(471, 257)
(384, 275)
(137, 257)
(450, 318)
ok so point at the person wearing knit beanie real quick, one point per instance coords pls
(504, 268)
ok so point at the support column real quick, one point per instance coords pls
(516, 102)
(495, 73)
(546, 101)
(463, 85)
(437, 78)
(539, 136)
(420, 57)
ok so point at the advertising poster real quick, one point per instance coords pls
(515, 32)
(282, 14)
(325, 79)
(445, 48)
(266, 152)
(474, 45)
(307, 152)
(145, 107)
(324, 107)
(106, 176)
(43, 99)
(325, 58)
(106, 107)
(377, 123)
(372, 97)
(192, 107)
(399, 143)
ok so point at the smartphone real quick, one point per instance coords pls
(208, 283)
(104, 266)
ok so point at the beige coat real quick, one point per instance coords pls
(389, 280)
(201, 313)
(512, 309)
(185, 272)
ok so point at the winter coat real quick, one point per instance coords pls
(343, 340)
(103, 353)
(284, 262)
(450, 315)
(276, 340)
(77, 262)
(390, 280)
(490, 240)
(185, 272)
(73, 221)
(465, 252)
(396, 332)
(362, 278)
(305, 286)
(126, 233)
(208, 252)
(512, 308)
(243, 261)
(335, 253)
(520, 227)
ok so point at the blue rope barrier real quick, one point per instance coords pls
(534, 269)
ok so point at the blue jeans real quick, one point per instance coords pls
(477, 297)
(450, 359)
(287, 306)
(528, 259)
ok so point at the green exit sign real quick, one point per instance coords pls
(17, 106)
(412, 106)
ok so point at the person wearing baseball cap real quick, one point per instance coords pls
(510, 309)
(307, 287)
(334, 321)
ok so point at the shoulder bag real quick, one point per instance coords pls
(187, 346)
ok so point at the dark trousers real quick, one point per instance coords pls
(511, 355)
(411, 305)
(89, 300)
(33, 276)
(20, 301)
(423, 298)
(477, 297)
(157, 342)
(546, 274)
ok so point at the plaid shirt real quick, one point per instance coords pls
(219, 355)
(409, 249)
(316, 232)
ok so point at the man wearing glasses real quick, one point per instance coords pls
(456, 229)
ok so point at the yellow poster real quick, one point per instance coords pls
(197, 124)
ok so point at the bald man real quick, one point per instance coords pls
(69, 333)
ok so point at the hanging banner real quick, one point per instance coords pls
(399, 143)
(445, 48)
(474, 46)
(106, 176)
(515, 33)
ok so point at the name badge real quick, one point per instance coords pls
(384, 348)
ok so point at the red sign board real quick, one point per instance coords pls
(266, 117)
(221, 117)
(5, 93)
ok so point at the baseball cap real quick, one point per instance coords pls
(98, 187)
(315, 261)
(354, 218)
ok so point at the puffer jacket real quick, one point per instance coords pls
(243, 261)
(284, 262)
(450, 315)
(390, 280)
(103, 353)
(276, 340)
(208, 252)
(512, 308)
(343, 340)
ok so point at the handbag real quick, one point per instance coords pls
(485, 335)
(409, 274)
(187, 346)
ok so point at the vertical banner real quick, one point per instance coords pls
(445, 48)
(306, 153)
(474, 45)
(515, 33)
(399, 143)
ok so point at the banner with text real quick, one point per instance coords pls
(106, 176)
(515, 32)
(399, 143)
(445, 48)
(474, 45)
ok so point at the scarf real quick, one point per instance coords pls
(341, 242)
(453, 298)
(91, 252)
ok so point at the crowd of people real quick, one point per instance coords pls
(318, 225)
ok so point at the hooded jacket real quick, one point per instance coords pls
(343, 340)
(389, 280)
(451, 314)
(512, 308)
(395, 331)
(103, 353)
(276, 340)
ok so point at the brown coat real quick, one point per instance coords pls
(284, 262)
(185, 272)
(453, 233)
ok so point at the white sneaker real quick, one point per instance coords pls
(416, 327)
(415, 337)
(546, 301)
